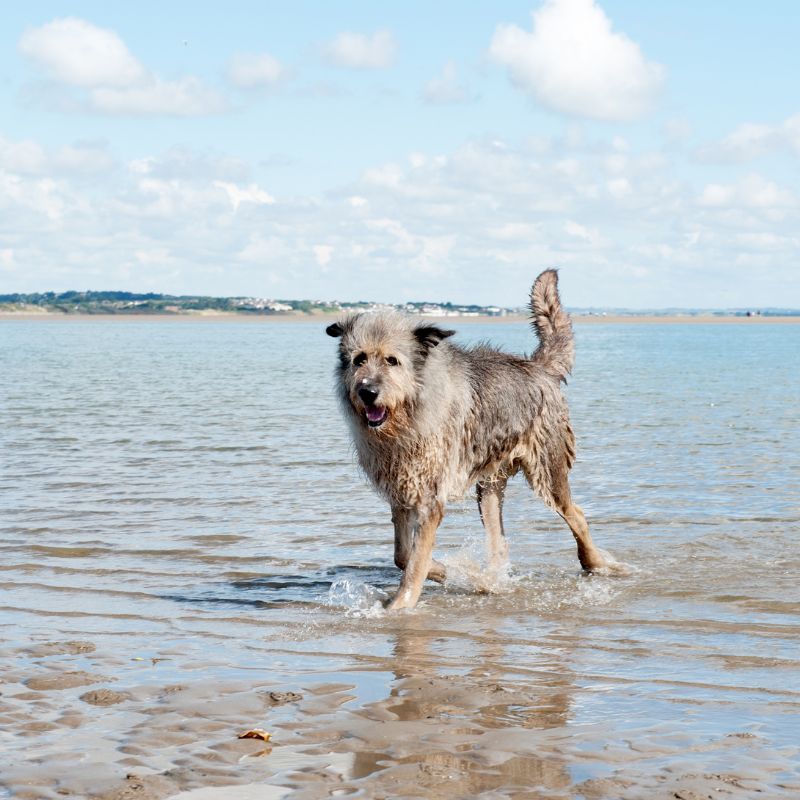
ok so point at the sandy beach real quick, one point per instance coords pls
(432, 735)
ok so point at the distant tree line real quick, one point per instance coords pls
(144, 302)
(47, 298)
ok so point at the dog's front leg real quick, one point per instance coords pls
(405, 526)
(418, 562)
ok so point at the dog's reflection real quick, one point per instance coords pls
(466, 724)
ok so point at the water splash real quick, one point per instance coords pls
(614, 568)
(358, 599)
(467, 572)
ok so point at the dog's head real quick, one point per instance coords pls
(381, 359)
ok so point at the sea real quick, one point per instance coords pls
(181, 511)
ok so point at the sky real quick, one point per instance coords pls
(404, 151)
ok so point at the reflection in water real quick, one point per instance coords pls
(457, 709)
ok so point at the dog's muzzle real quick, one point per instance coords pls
(376, 414)
(368, 395)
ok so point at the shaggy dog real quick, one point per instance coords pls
(430, 419)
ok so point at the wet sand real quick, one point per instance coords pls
(433, 735)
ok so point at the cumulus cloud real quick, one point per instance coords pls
(245, 194)
(750, 191)
(751, 140)
(254, 70)
(79, 54)
(322, 253)
(362, 51)
(624, 229)
(183, 163)
(573, 62)
(186, 97)
(27, 157)
(445, 89)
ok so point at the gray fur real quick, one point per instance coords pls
(445, 418)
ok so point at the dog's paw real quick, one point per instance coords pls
(611, 568)
(402, 601)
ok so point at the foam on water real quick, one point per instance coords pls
(569, 591)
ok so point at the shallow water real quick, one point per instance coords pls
(183, 523)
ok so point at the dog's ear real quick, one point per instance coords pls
(335, 330)
(430, 335)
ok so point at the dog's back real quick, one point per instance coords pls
(516, 417)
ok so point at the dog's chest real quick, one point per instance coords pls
(408, 476)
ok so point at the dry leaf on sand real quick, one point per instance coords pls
(256, 733)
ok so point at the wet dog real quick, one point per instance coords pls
(430, 419)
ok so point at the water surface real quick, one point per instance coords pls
(182, 522)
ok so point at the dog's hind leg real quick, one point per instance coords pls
(405, 522)
(589, 555)
(418, 564)
(490, 505)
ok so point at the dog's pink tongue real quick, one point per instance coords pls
(375, 413)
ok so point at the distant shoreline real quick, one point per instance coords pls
(578, 319)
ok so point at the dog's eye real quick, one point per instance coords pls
(392, 361)
(359, 359)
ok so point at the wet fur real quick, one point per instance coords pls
(458, 417)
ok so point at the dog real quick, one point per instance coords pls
(430, 419)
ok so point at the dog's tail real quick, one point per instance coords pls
(556, 351)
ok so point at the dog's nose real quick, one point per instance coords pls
(368, 395)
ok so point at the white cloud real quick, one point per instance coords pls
(186, 97)
(248, 194)
(445, 88)
(751, 140)
(474, 224)
(322, 253)
(252, 70)
(76, 52)
(360, 51)
(22, 157)
(677, 130)
(27, 157)
(7, 260)
(578, 231)
(83, 158)
(619, 188)
(716, 195)
(82, 55)
(573, 62)
(259, 249)
(37, 198)
(751, 191)
(185, 164)
(516, 231)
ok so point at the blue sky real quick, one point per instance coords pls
(404, 151)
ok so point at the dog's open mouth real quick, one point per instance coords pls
(376, 416)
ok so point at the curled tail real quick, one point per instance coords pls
(556, 351)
